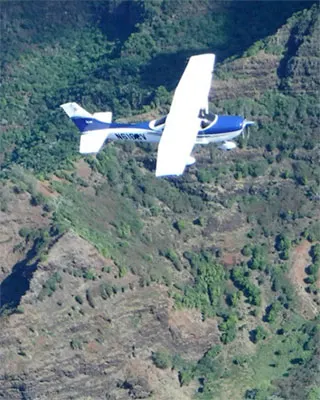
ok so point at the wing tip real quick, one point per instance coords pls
(163, 173)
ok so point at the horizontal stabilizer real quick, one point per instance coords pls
(91, 142)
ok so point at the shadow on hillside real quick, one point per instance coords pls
(248, 22)
(119, 20)
(47, 21)
(166, 69)
(255, 20)
(14, 286)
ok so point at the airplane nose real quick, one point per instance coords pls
(229, 123)
(238, 122)
(233, 122)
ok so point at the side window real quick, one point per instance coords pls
(204, 123)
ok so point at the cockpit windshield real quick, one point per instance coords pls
(160, 121)
(207, 118)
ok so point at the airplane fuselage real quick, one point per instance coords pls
(219, 128)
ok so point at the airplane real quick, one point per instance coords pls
(188, 122)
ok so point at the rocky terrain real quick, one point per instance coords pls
(99, 345)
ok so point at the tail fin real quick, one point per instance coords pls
(79, 116)
(94, 132)
(73, 110)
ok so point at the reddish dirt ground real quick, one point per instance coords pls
(231, 259)
(189, 325)
(83, 170)
(300, 260)
(45, 189)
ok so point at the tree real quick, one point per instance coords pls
(282, 243)
(229, 329)
(171, 255)
(272, 312)
(79, 299)
(246, 251)
(89, 297)
(315, 253)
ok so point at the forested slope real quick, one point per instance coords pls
(115, 284)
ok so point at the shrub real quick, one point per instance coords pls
(272, 312)
(258, 334)
(171, 255)
(180, 225)
(246, 251)
(76, 344)
(79, 299)
(89, 297)
(282, 243)
(161, 359)
(106, 290)
(89, 274)
(250, 290)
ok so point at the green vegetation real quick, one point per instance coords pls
(228, 328)
(241, 280)
(171, 255)
(161, 359)
(313, 269)
(79, 299)
(258, 334)
(272, 312)
(207, 290)
(283, 245)
(76, 344)
(50, 286)
(107, 290)
(89, 296)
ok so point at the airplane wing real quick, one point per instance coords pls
(183, 123)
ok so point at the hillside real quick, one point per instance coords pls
(118, 285)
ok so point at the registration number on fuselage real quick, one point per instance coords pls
(131, 136)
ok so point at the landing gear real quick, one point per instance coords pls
(227, 146)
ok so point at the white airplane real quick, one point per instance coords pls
(187, 123)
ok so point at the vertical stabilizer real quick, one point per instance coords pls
(73, 110)
(93, 132)
(79, 116)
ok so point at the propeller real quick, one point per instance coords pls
(245, 125)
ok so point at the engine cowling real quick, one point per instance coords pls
(226, 146)
(190, 161)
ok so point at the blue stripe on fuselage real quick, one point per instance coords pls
(137, 125)
(92, 124)
(89, 124)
